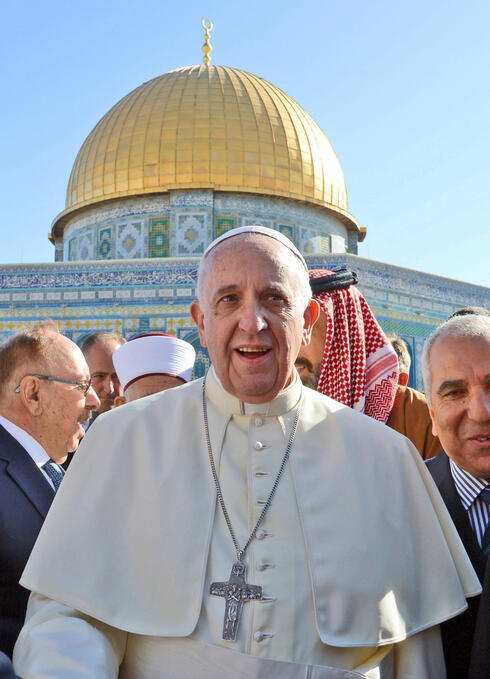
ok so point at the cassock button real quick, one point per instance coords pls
(258, 445)
(260, 534)
(259, 421)
(262, 565)
(259, 636)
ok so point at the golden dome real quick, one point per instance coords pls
(207, 127)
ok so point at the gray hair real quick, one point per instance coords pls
(304, 289)
(471, 325)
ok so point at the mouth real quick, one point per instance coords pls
(252, 352)
(480, 440)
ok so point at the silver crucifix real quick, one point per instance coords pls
(235, 591)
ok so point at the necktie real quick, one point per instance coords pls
(54, 473)
(485, 496)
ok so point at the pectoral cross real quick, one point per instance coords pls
(235, 591)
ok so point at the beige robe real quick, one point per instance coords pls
(358, 553)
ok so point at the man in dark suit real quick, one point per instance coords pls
(456, 367)
(45, 395)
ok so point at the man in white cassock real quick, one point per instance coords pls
(244, 525)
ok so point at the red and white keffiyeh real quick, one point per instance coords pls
(359, 367)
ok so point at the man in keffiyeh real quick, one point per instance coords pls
(351, 360)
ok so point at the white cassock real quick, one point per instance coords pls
(357, 557)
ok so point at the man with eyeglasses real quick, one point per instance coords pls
(45, 397)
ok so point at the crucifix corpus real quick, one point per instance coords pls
(235, 591)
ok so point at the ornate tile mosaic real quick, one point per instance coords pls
(326, 244)
(159, 241)
(337, 243)
(255, 220)
(191, 234)
(129, 240)
(222, 225)
(85, 248)
(72, 249)
(105, 244)
(288, 231)
(309, 240)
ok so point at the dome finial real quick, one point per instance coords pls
(207, 24)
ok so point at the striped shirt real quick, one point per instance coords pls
(469, 488)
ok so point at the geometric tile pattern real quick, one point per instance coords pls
(159, 241)
(338, 243)
(85, 248)
(288, 231)
(104, 247)
(72, 249)
(129, 240)
(182, 224)
(325, 244)
(191, 235)
(257, 221)
(223, 224)
(308, 240)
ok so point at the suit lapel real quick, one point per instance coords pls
(441, 473)
(24, 472)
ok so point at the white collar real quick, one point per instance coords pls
(231, 405)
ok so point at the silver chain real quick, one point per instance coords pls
(241, 552)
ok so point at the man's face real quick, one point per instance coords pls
(64, 406)
(251, 317)
(310, 358)
(460, 393)
(104, 377)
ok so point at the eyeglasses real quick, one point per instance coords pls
(84, 386)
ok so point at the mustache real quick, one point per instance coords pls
(304, 361)
(85, 415)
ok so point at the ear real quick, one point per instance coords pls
(310, 316)
(119, 401)
(198, 317)
(434, 427)
(31, 396)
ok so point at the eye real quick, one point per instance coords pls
(226, 299)
(276, 298)
(454, 393)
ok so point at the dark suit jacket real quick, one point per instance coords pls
(465, 638)
(25, 497)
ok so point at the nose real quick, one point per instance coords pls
(92, 401)
(107, 385)
(252, 319)
(479, 405)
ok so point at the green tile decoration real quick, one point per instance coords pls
(104, 247)
(223, 224)
(159, 237)
(288, 231)
(325, 245)
(72, 250)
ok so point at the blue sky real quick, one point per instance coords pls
(400, 89)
